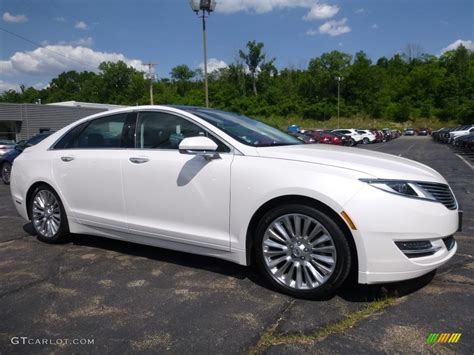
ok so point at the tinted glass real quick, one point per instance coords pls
(117, 131)
(244, 129)
(159, 130)
(36, 139)
(68, 140)
(105, 132)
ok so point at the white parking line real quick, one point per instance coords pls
(464, 160)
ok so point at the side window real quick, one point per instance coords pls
(160, 130)
(115, 131)
(67, 141)
(105, 132)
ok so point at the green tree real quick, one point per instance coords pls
(255, 61)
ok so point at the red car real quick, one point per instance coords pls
(379, 136)
(324, 137)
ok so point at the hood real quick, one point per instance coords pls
(375, 164)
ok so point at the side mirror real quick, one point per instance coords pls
(202, 146)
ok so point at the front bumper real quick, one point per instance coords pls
(383, 219)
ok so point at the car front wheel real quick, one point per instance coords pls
(48, 215)
(6, 172)
(302, 252)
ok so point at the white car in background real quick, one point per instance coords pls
(367, 136)
(215, 183)
(462, 132)
(351, 133)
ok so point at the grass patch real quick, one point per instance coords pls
(270, 338)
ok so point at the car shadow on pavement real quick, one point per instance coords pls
(350, 291)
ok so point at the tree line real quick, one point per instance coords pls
(406, 86)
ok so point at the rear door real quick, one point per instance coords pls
(87, 168)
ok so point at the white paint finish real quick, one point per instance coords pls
(92, 185)
(179, 196)
(185, 202)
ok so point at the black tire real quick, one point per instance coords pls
(62, 235)
(365, 140)
(343, 252)
(6, 172)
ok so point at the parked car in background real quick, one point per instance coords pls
(379, 136)
(7, 159)
(409, 132)
(460, 131)
(5, 146)
(347, 141)
(220, 184)
(464, 141)
(303, 137)
(324, 137)
(423, 132)
(351, 133)
(367, 136)
(387, 133)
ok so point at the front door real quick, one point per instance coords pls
(174, 196)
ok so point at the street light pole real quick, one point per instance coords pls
(204, 6)
(204, 46)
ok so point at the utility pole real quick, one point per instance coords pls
(150, 76)
(338, 79)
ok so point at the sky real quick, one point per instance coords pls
(39, 39)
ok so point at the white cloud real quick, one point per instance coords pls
(321, 11)
(359, 11)
(81, 25)
(5, 86)
(317, 9)
(213, 64)
(59, 19)
(334, 28)
(466, 43)
(374, 26)
(10, 18)
(54, 59)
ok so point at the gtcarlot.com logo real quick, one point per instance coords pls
(51, 341)
(443, 338)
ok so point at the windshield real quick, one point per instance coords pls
(244, 129)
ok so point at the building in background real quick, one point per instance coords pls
(23, 121)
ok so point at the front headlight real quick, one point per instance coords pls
(400, 187)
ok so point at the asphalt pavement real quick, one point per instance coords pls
(118, 297)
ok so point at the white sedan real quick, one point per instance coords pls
(219, 184)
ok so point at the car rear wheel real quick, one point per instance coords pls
(365, 140)
(302, 252)
(6, 172)
(48, 215)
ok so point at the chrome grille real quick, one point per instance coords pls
(441, 193)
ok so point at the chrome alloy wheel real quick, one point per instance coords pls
(299, 252)
(46, 213)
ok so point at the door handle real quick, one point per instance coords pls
(139, 160)
(67, 159)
